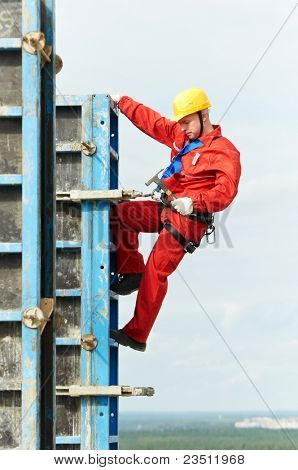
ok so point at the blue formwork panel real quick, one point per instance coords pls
(84, 263)
(25, 101)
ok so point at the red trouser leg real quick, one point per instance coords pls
(163, 260)
(142, 216)
(128, 219)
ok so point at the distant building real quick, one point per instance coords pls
(268, 423)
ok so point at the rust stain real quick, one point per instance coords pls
(28, 363)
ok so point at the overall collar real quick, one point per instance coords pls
(208, 138)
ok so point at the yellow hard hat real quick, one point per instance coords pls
(189, 101)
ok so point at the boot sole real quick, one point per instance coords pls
(124, 340)
(126, 292)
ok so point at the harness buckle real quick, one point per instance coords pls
(189, 247)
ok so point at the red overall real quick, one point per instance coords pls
(209, 176)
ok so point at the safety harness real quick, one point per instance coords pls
(202, 217)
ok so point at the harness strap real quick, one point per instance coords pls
(204, 217)
(188, 245)
(160, 207)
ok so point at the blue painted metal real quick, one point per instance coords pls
(86, 281)
(31, 230)
(13, 315)
(101, 272)
(67, 147)
(68, 292)
(10, 247)
(10, 111)
(68, 244)
(71, 100)
(68, 341)
(68, 440)
(99, 307)
(10, 179)
(10, 44)
(114, 304)
(27, 108)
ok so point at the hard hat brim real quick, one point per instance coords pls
(177, 118)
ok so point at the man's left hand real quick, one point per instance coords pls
(183, 205)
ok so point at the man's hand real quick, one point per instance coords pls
(116, 98)
(183, 205)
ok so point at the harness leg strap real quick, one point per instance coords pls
(188, 246)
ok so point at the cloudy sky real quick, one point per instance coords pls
(247, 282)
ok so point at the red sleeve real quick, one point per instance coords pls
(150, 122)
(225, 162)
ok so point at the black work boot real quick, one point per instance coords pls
(126, 283)
(122, 338)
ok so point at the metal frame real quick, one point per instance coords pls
(30, 229)
(48, 229)
(99, 367)
(30, 182)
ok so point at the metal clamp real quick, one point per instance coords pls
(88, 342)
(58, 63)
(88, 148)
(35, 317)
(34, 43)
(98, 195)
(105, 390)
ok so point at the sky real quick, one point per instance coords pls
(226, 336)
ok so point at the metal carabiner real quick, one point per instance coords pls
(209, 231)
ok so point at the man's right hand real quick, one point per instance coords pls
(116, 98)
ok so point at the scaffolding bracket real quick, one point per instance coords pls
(105, 390)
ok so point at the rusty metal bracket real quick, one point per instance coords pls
(35, 43)
(88, 342)
(105, 390)
(58, 63)
(96, 195)
(35, 317)
(47, 306)
(88, 148)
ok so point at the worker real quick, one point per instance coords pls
(203, 175)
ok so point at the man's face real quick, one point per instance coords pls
(191, 125)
